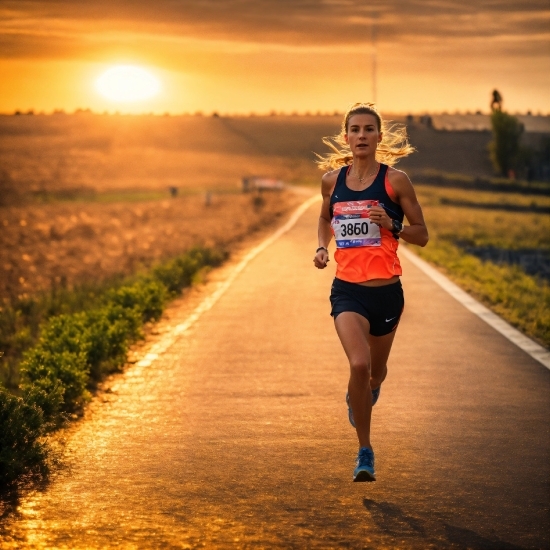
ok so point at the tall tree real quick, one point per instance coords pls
(505, 149)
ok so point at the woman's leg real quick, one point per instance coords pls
(380, 347)
(353, 331)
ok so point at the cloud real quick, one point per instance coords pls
(241, 54)
(64, 28)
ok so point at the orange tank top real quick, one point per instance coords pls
(364, 251)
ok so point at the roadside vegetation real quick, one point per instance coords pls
(505, 149)
(63, 244)
(62, 334)
(92, 247)
(75, 351)
(473, 235)
(511, 155)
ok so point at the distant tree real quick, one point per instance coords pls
(505, 149)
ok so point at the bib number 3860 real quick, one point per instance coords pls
(352, 226)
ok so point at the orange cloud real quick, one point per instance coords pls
(287, 54)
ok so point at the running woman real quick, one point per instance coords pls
(364, 203)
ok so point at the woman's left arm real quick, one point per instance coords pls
(416, 232)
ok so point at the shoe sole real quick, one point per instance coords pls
(363, 475)
(375, 396)
(350, 412)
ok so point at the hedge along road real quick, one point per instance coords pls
(237, 435)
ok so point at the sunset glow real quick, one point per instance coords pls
(257, 56)
(127, 83)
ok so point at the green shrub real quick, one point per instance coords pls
(22, 452)
(146, 296)
(76, 349)
(48, 397)
(65, 333)
(177, 274)
(47, 370)
(109, 331)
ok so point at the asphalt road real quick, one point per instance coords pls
(237, 437)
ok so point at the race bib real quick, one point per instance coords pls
(352, 226)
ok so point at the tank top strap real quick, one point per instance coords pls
(341, 179)
(379, 182)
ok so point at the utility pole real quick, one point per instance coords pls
(374, 60)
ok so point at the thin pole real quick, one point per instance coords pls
(374, 60)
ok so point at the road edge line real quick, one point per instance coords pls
(162, 346)
(536, 351)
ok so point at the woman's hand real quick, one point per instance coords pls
(378, 216)
(321, 259)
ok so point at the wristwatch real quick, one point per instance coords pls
(397, 227)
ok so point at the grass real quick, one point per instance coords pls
(21, 321)
(60, 342)
(75, 350)
(523, 300)
(86, 196)
(434, 196)
(442, 179)
(67, 243)
(90, 195)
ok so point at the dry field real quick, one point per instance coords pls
(68, 155)
(68, 185)
(69, 243)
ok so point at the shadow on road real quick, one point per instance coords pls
(391, 519)
(9, 501)
(470, 539)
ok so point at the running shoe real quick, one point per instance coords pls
(375, 396)
(364, 470)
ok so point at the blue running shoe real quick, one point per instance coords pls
(364, 470)
(375, 396)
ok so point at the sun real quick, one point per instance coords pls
(127, 83)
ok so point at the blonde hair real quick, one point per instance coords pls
(394, 145)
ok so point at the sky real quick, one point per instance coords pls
(241, 56)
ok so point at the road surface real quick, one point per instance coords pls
(237, 436)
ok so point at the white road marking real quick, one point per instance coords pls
(526, 344)
(162, 345)
(536, 351)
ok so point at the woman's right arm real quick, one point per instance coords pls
(324, 232)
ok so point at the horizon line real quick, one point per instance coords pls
(267, 114)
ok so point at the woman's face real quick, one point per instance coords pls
(363, 136)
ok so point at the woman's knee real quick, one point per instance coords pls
(360, 367)
(378, 376)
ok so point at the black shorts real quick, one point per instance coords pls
(380, 305)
